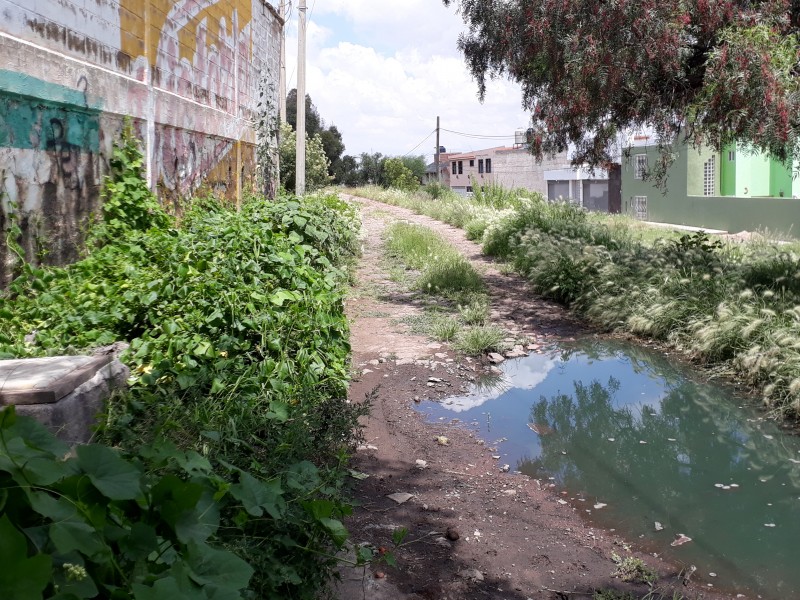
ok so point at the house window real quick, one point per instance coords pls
(461, 167)
(488, 165)
(640, 207)
(708, 177)
(472, 162)
(731, 155)
(480, 165)
(639, 166)
(469, 189)
(454, 168)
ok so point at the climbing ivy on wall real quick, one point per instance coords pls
(267, 129)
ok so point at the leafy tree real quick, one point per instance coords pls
(316, 161)
(415, 164)
(398, 175)
(334, 148)
(712, 71)
(315, 125)
(371, 168)
(346, 171)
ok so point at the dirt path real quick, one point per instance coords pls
(474, 532)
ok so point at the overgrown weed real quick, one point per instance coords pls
(239, 356)
(633, 570)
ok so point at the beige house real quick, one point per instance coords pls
(554, 177)
(510, 167)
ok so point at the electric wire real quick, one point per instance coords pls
(420, 144)
(479, 136)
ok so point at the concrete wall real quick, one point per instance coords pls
(518, 169)
(730, 213)
(188, 72)
(780, 216)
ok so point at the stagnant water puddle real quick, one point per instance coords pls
(620, 426)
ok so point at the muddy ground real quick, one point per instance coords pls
(473, 531)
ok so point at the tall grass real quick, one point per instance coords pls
(730, 304)
(445, 206)
(443, 270)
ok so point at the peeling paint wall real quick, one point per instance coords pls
(188, 72)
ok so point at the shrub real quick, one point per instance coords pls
(633, 570)
(128, 203)
(399, 176)
(451, 276)
(445, 329)
(317, 163)
(239, 351)
(437, 190)
(474, 313)
(475, 228)
(480, 338)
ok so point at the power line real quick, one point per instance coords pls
(420, 144)
(479, 136)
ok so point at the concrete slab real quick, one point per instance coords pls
(73, 417)
(46, 380)
(685, 227)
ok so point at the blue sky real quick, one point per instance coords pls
(382, 70)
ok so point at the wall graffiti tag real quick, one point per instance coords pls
(186, 72)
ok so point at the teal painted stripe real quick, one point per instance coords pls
(22, 84)
(38, 125)
(37, 115)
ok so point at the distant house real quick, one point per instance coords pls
(747, 173)
(444, 170)
(734, 190)
(553, 177)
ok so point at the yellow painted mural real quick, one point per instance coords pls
(138, 18)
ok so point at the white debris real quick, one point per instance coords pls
(400, 497)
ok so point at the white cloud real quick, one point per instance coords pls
(526, 373)
(382, 72)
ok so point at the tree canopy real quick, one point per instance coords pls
(709, 71)
(317, 164)
(315, 125)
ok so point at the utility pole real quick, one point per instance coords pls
(438, 147)
(282, 69)
(300, 148)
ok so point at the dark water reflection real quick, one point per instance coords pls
(618, 425)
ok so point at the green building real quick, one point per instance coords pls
(735, 190)
(751, 174)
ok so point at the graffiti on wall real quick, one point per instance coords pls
(186, 71)
(50, 169)
(198, 49)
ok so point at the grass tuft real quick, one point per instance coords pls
(480, 338)
(445, 329)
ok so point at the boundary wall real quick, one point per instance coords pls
(189, 73)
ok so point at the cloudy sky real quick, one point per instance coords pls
(382, 70)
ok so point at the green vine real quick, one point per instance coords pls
(128, 203)
(267, 130)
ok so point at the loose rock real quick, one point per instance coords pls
(400, 497)
(495, 358)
